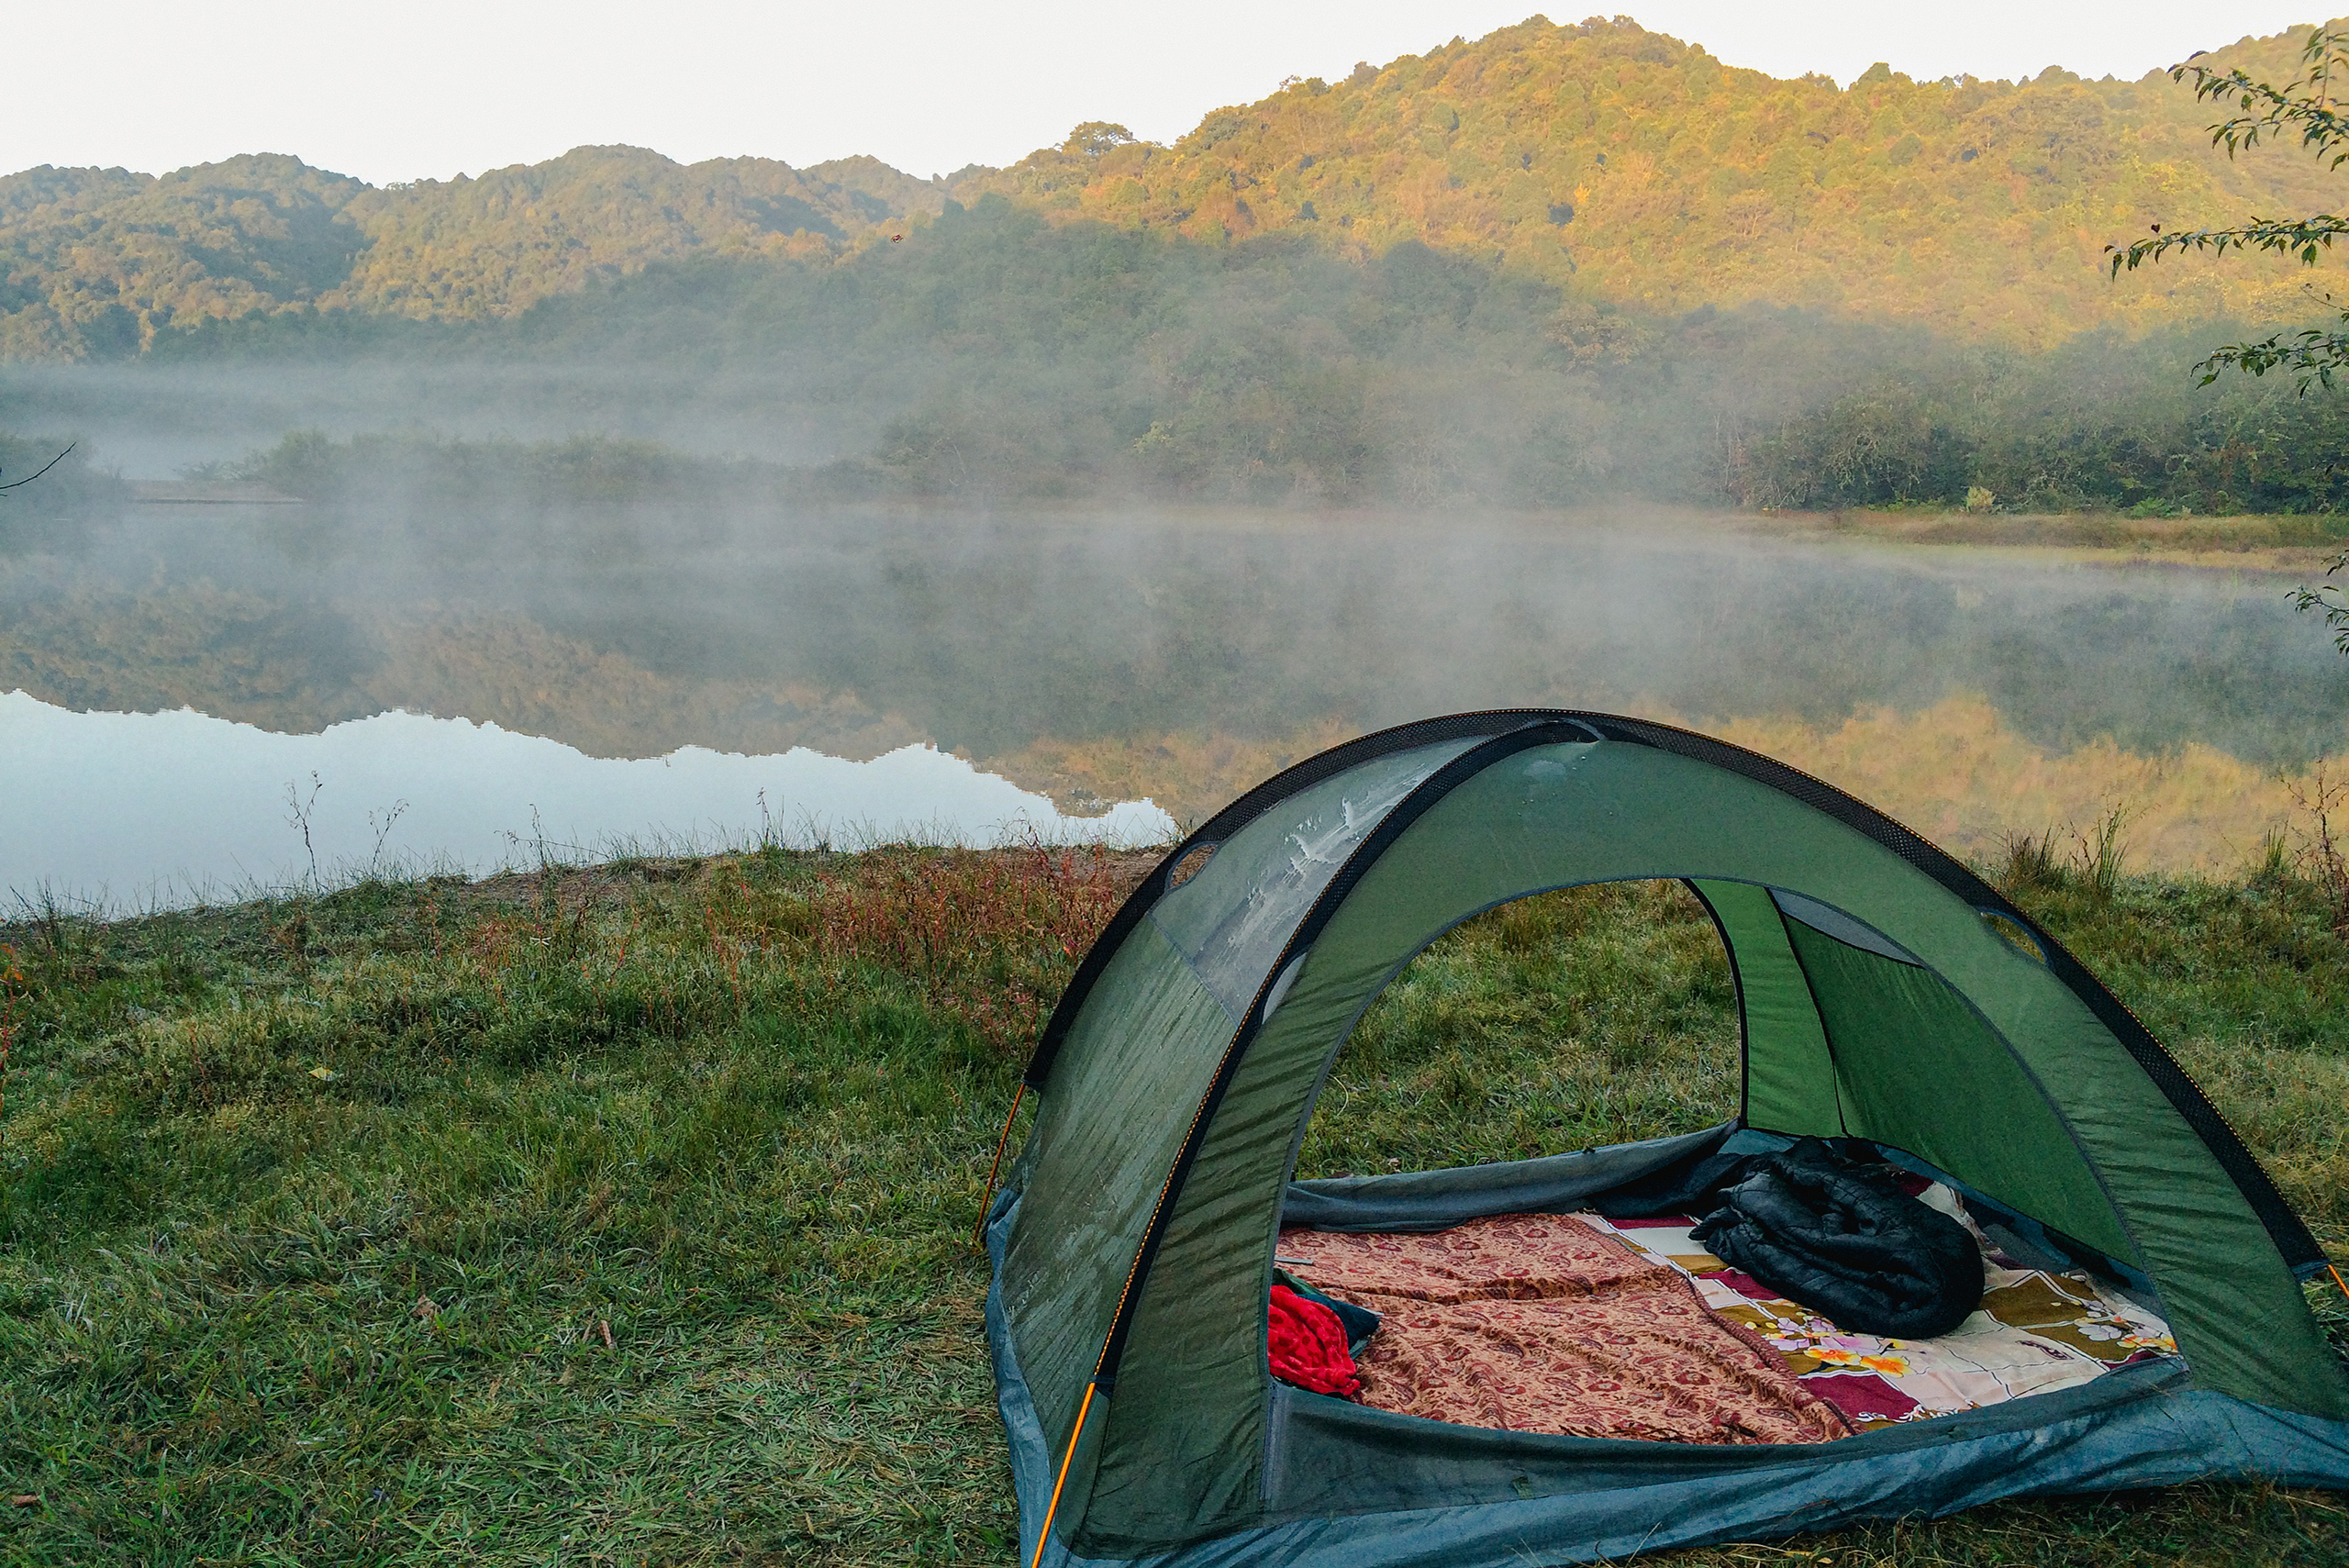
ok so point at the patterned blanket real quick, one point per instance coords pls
(1536, 1323)
(2035, 1333)
(1582, 1327)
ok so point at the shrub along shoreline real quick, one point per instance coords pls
(622, 1213)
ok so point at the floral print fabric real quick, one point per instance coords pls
(1540, 1323)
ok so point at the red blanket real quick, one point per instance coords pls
(1309, 1346)
(1539, 1323)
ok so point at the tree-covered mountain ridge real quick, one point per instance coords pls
(1628, 166)
(98, 262)
(1618, 164)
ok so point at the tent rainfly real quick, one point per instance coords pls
(1887, 996)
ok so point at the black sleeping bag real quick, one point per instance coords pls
(1844, 1239)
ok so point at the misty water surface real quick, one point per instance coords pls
(132, 809)
(1091, 656)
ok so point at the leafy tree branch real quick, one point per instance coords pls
(2305, 107)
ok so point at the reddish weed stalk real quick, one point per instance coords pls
(12, 989)
(729, 949)
(987, 935)
(2321, 795)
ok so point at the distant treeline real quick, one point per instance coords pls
(1465, 276)
(1006, 357)
(407, 468)
(2104, 422)
(1003, 356)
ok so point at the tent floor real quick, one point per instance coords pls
(1627, 1328)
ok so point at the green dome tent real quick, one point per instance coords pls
(1887, 997)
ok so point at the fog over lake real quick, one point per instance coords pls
(642, 674)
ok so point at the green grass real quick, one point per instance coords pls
(315, 1213)
(1573, 1019)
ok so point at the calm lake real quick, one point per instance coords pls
(188, 684)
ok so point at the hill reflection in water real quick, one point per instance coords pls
(141, 808)
(1180, 656)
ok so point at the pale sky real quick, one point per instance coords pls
(432, 88)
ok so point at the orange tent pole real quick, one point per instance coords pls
(997, 1169)
(1045, 1534)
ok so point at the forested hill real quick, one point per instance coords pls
(1618, 164)
(1643, 172)
(98, 260)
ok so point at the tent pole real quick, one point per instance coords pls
(993, 1171)
(1044, 1535)
(2334, 1270)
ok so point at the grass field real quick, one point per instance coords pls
(621, 1215)
(2272, 542)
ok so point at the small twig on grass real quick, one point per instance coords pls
(383, 831)
(297, 817)
(44, 468)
